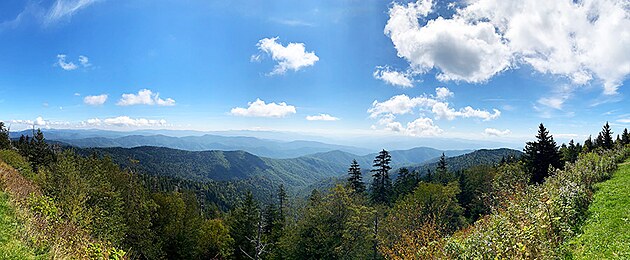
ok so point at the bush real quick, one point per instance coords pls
(15, 160)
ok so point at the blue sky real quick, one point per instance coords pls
(351, 67)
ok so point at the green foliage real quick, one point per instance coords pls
(606, 231)
(337, 226)
(355, 180)
(243, 226)
(5, 142)
(215, 240)
(11, 246)
(476, 186)
(15, 160)
(534, 222)
(381, 190)
(540, 155)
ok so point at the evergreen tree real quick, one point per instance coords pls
(405, 182)
(5, 141)
(588, 145)
(355, 180)
(540, 155)
(625, 137)
(442, 175)
(607, 139)
(599, 141)
(381, 184)
(244, 227)
(282, 203)
(570, 153)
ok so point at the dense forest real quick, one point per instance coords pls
(78, 205)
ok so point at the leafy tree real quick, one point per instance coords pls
(338, 227)
(5, 141)
(541, 154)
(431, 210)
(355, 180)
(381, 184)
(215, 240)
(607, 139)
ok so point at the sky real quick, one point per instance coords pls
(478, 69)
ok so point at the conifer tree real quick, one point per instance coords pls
(625, 137)
(541, 154)
(5, 141)
(441, 172)
(607, 139)
(588, 145)
(282, 203)
(381, 184)
(355, 180)
(244, 227)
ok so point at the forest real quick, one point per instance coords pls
(78, 205)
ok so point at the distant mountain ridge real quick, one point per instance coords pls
(296, 173)
(257, 146)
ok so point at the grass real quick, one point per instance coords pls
(606, 232)
(11, 247)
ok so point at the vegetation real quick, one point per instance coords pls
(77, 205)
(606, 231)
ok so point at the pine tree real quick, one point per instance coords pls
(599, 141)
(355, 180)
(540, 155)
(5, 141)
(442, 174)
(244, 227)
(405, 182)
(282, 203)
(607, 139)
(381, 184)
(588, 145)
(625, 137)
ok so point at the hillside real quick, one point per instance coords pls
(479, 157)
(606, 232)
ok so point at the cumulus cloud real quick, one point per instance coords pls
(95, 100)
(496, 132)
(63, 9)
(69, 65)
(259, 108)
(291, 57)
(145, 97)
(387, 111)
(124, 121)
(579, 40)
(394, 78)
(322, 117)
(443, 93)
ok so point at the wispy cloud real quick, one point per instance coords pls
(322, 117)
(83, 61)
(64, 9)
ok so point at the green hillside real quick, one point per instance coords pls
(607, 228)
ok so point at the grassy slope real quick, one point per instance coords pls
(11, 247)
(607, 229)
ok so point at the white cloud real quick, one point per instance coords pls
(624, 120)
(144, 97)
(580, 40)
(85, 61)
(291, 57)
(322, 117)
(61, 61)
(422, 127)
(65, 8)
(69, 65)
(496, 132)
(39, 122)
(387, 111)
(558, 97)
(124, 121)
(394, 78)
(443, 93)
(95, 100)
(442, 110)
(258, 108)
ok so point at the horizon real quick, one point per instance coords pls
(334, 70)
